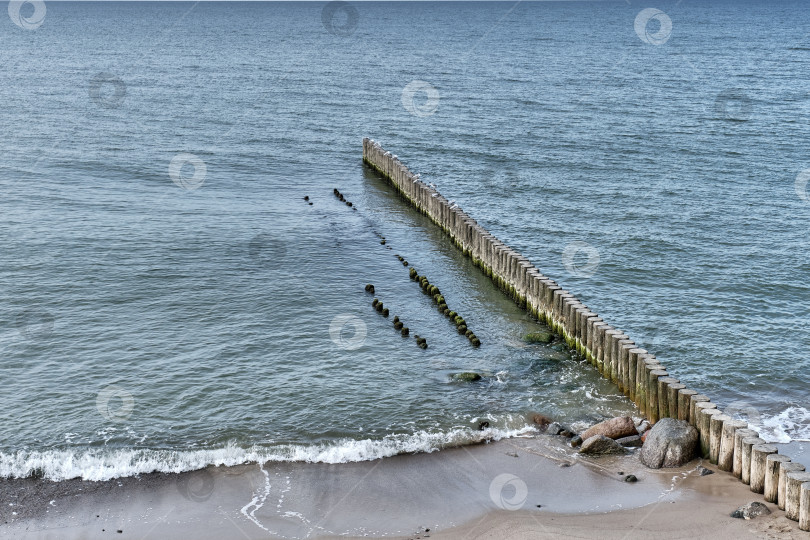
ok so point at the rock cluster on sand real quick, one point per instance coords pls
(751, 510)
(615, 428)
(670, 443)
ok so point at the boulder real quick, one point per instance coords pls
(670, 443)
(751, 510)
(467, 376)
(541, 420)
(633, 441)
(615, 428)
(600, 445)
(556, 428)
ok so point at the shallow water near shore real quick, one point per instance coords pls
(150, 327)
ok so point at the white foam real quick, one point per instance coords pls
(98, 464)
(249, 510)
(792, 424)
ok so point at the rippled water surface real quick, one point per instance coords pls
(157, 324)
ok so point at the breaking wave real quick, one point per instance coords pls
(105, 463)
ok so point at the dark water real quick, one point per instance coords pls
(161, 316)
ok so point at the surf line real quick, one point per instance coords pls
(637, 373)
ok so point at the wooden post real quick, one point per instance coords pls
(739, 435)
(725, 458)
(582, 326)
(804, 506)
(610, 360)
(715, 434)
(759, 454)
(684, 396)
(663, 395)
(593, 344)
(672, 398)
(793, 487)
(772, 465)
(590, 351)
(784, 470)
(599, 350)
(621, 369)
(635, 355)
(746, 445)
(700, 405)
(647, 363)
(621, 350)
(652, 394)
(704, 422)
(693, 401)
(615, 343)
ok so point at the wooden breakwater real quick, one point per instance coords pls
(637, 373)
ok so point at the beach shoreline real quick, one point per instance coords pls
(507, 489)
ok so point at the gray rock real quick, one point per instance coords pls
(556, 428)
(703, 471)
(576, 441)
(567, 431)
(670, 443)
(633, 441)
(599, 445)
(751, 510)
(642, 427)
(630, 478)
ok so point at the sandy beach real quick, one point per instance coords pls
(519, 488)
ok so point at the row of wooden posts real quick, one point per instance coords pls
(726, 442)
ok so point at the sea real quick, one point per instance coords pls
(181, 287)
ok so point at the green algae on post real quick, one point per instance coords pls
(538, 337)
(441, 304)
(467, 376)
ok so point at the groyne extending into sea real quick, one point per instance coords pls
(725, 441)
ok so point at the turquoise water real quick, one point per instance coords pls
(158, 317)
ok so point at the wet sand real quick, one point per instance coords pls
(519, 488)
